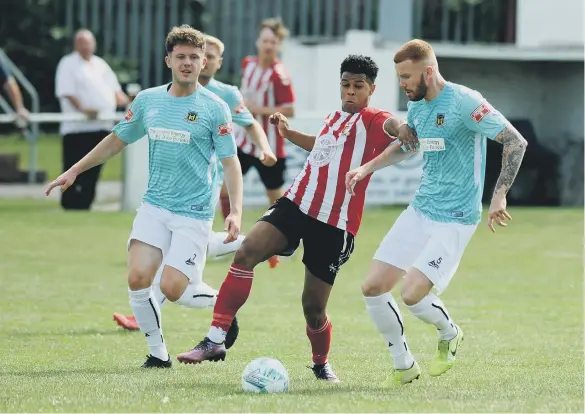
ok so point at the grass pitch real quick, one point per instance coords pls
(518, 296)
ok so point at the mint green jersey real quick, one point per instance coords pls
(452, 131)
(240, 114)
(186, 136)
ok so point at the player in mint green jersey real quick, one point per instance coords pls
(451, 124)
(189, 129)
(205, 295)
(241, 116)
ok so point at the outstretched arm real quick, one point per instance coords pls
(390, 156)
(300, 139)
(106, 149)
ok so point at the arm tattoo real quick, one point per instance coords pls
(514, 149)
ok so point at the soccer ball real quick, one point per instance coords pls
(265, 375)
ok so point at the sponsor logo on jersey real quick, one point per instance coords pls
(169, 135)
(225, 129)
(129, 115)
(480, 112)
(431, 144)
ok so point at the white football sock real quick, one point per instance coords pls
(386, 316)
(147, 313)
(217, 248)
(432, 311)
(216, 335)
(199, 296)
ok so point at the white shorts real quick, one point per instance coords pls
(182, 240)
(432, 247)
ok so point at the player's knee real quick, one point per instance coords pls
(314, 312)
(370, 288)
(140, 277)
(248, 255)
(171, 291)
(412, 293)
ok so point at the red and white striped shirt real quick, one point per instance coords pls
(268, 87)
(345, 141)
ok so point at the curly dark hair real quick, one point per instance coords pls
(184, 35)
(360, 64)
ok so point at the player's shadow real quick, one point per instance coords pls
(68, 332)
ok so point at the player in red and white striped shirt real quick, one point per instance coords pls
(316, 209)
(267, 88)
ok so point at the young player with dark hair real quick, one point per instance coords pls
(315, 209)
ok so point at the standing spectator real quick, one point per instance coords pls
(85, 83)
(8, 83)
(267, 88)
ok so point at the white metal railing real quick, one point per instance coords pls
(58, 117)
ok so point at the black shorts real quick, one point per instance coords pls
(271, 177)
(327, 248)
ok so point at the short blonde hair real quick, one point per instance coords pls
(415, 50)
(211, 40)
(184, 35)
(276, 26)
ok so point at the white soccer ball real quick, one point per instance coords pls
(265, 375)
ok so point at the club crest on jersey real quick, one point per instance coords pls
(191, 116)
(440, 121)
(323, 151)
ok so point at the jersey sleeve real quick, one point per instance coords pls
(240, 114)
(409, 115)
(131, 128)
(222, 132)
(376, 130)
(481, 117)
(283, 90)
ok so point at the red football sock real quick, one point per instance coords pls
(225, 206)
(320, 342)
(232, 295)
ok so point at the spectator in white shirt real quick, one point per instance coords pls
(85, 83)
